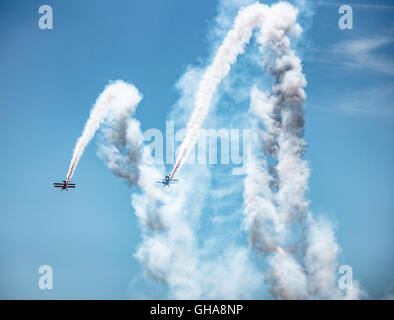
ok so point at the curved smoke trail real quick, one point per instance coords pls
(247, 20)
(118, 98)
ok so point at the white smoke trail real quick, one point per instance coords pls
(268, 212)
(117, 99)
(273, 220)
(276, 210)
(247, 20)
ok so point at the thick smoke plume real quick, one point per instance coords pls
(301, 252)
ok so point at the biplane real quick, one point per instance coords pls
(64, 186)
(167, 181)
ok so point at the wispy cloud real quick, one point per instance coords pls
(363, 53)
(359, 54)
(373, 101)
(374, 6)
(361, 46)
(370, 101)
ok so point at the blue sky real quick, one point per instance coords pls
(50, 78)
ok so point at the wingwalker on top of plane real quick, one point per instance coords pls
(65, 185)
(167, 181)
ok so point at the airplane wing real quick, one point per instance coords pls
(62, 183)
(58, 186)
(70, 187)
